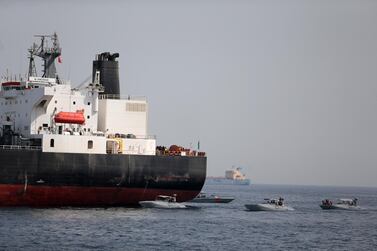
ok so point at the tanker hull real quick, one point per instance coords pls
(224, 181)
(38, 179)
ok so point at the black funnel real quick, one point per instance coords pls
(108, 67)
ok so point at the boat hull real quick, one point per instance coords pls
(267, 207)
(38, 179)
(339, 207)
(162, 205)
(224, 181)
(212, 200)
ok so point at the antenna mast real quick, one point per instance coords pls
(48, 54)
(32, 70)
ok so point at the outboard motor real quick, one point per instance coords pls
(108, 67)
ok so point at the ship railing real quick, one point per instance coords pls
(18, 147)
(130, 136)
(118, 96)
(145, 136)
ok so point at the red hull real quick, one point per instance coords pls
(45, 196)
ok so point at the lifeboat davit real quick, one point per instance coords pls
(70, 118)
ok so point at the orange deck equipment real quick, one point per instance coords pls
(70, 118)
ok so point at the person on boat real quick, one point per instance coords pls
(173, 198)
(327, 202)
(280, 202)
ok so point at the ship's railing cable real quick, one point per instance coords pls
(17, 147)
(118, 96)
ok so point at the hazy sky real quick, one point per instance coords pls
(285, 89)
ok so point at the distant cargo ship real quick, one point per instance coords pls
(232, 177)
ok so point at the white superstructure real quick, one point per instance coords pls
(234, 174)
(60, 118)
(29, 109)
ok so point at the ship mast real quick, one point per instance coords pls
(48, 55)
(32, 70)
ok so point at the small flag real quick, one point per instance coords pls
(59, 59)
(198, 145)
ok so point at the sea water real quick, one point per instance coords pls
(210, 227)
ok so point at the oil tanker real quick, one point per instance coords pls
(232, 177)
(86, 145)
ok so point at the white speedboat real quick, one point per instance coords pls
(163, 201)
(204, 198)
(269, 205)
(342, 204)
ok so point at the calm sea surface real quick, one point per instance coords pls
(212, 227)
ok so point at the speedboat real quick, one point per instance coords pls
(342, 204)
(269, 205)
(204, 198)
(163, 201)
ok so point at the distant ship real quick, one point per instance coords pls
(232, 177)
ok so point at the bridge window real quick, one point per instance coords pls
(90, 144)
(52, 143)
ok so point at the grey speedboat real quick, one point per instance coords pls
(269, 205)
(342, 204)
(203, 198)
